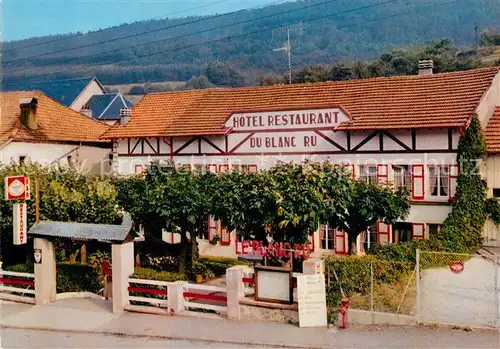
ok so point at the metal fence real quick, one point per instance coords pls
(456, 288)
(374, 285)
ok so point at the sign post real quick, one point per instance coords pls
(311, 294)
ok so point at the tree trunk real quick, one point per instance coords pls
(183, 253)
(351, 238)
(194, 249)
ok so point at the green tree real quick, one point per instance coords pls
(65, 195)
(286, 202)
(367, 204)
(221, 74)
(169, 198)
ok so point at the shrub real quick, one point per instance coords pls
(405, 252)
(21, 268)
(151, 274)
(352, 275)
(77, 278)
(218, 265)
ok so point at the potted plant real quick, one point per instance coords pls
(199, 270)
(215, 240)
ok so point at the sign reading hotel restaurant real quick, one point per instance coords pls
(291, 119)
(17, 187)
(20, 234)
(285, 131)
(311, 296)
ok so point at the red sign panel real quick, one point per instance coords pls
(17, 187)
(457, 267)
(273, 249)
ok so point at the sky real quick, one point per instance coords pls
(21, 19)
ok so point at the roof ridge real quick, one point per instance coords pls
(333, 82)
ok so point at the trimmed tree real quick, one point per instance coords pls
(367, 204)
(172, 199)
(285, 202)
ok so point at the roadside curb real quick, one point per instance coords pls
(161, 337)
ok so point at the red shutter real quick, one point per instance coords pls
(213, 228)
(417, 185)
(340, 239)
(382, 173)
(252, 169)
(223, 168)
(138, 169)
(383, 233)
(454, 172)
(418, 231)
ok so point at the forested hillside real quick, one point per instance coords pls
(322, 32)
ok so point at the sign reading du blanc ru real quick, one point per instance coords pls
(287, 120)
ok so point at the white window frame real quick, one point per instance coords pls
(405, 174)
(443, 173)
(328, 239)
(368, 173)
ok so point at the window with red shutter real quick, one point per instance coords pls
(417, 177)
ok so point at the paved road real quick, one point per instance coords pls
(12, 338)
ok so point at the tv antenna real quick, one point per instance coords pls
(297, 28)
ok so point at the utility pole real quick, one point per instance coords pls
(288, 49)
(476, 37)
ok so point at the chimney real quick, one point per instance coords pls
(425, 67)
(86, 111)
(125, 114)
(28, 108)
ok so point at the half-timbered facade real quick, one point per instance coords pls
(402, 129)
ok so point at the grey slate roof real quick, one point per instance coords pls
(85, 231)
(107, 106)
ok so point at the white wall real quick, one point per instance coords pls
(92, 89)
(86, 158)
(490, 100)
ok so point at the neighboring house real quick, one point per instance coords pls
(34, 127)
(107, 107)
(404, 129)
(73, 93)
(492, 168)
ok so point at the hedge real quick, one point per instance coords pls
(69, 277)
(218, 265)
(354, 277)
(77, 278)
(151, 274)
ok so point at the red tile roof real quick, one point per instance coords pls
(55, 121)
(421, 101)
(492, 133)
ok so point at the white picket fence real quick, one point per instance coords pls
(18, 289)
(195, 296)
(207, 297)
(160, 292)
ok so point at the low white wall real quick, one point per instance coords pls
(365, 317)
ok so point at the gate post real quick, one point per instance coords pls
(234, 292)
(122, 260)
(45, 272)
(417, 283)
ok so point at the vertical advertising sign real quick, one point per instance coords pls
(20, 224)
